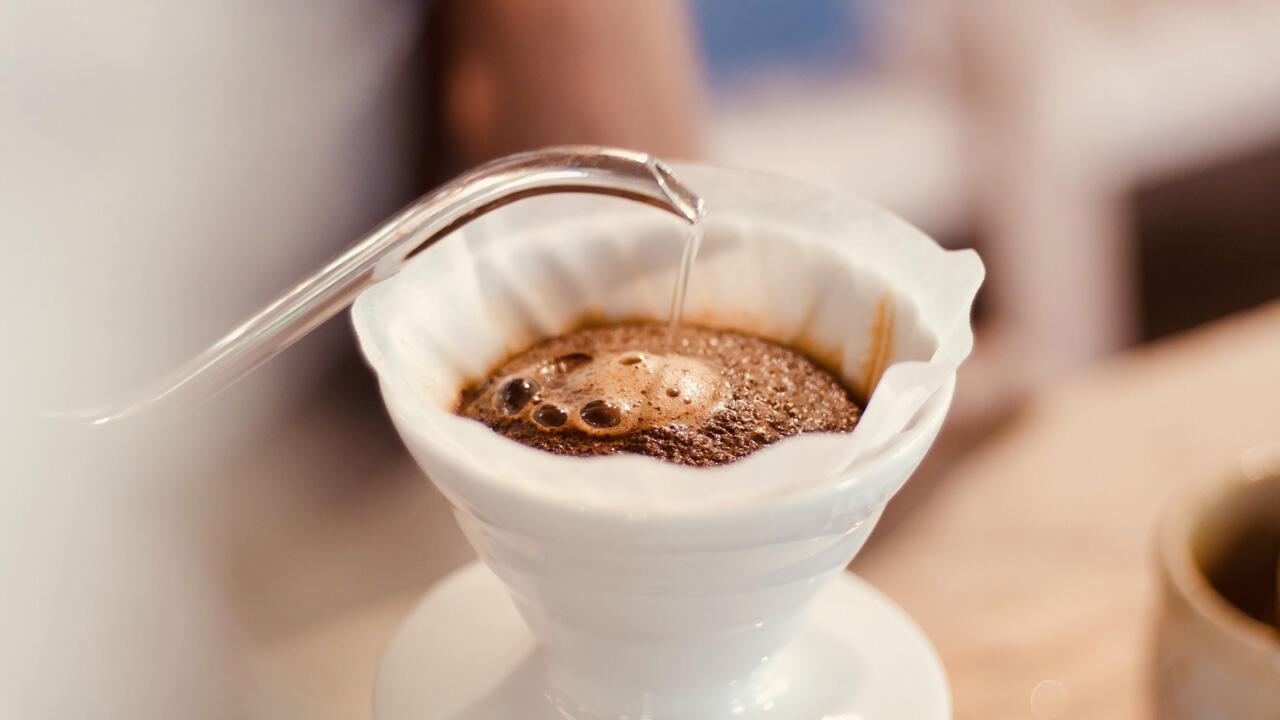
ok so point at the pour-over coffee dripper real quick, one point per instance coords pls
(655, 590)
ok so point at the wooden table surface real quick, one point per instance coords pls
(1029, 559)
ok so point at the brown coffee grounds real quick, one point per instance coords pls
(705, 397)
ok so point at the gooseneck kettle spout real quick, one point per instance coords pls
(382, 253)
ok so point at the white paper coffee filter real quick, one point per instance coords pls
(831, 274)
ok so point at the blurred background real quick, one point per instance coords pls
(167, 168)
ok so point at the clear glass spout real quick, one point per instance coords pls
(382, 253)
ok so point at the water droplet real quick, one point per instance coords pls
(548, 415)
(511, 398)
(673, 392)
(632, 359)
(601, 414)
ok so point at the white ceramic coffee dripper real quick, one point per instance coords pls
(655, 590)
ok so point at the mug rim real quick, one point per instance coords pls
(1184, 579)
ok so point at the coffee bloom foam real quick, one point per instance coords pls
(611, 393)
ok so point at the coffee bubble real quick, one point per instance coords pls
(568, 363)
(514, 394)
(551, 416)
(601, 414)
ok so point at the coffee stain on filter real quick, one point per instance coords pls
(881, 348)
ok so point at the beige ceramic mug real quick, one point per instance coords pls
(1218, 658)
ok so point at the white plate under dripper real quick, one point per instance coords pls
(465, 654)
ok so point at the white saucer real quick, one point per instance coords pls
(464, 654)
